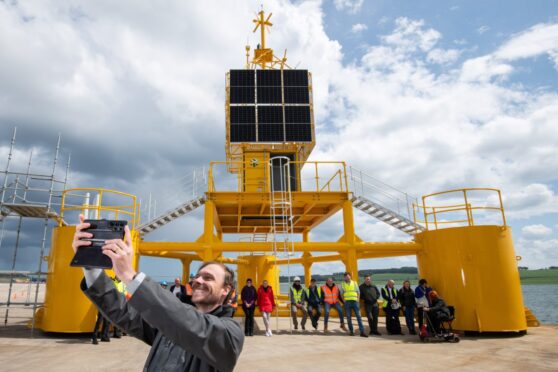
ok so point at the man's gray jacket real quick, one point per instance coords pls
(181, 337)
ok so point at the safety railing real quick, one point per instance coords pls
(174, 191)
(366, 186)
(109, 204)
(459, 207)
(310, 176)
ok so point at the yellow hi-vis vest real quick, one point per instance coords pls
(391, 293)
(120, 286)
(350, 292)
(297, 295)
(318, 289)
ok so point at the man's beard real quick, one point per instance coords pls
(208, 299)
(297, 286)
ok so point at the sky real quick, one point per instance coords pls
(426, 96)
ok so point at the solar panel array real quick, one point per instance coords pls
(269, 106)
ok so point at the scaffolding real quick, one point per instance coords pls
(26, 196)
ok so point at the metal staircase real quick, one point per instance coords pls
(190, 187)
(171, 215)
(383, 202)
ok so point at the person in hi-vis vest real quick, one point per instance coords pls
(391, 308)
(351, 294)
(297, 295)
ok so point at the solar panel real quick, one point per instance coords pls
(271, 133)
(268, 78)
(297, 114)
(270, 115)
(243, 115)
(243, 133)
(297, 95)
(274, 104)
(298, 132)
(295, 78)
(269, 95)
(242, 78)
(242, 95)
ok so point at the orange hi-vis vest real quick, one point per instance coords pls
(232, 304)
(331, 295)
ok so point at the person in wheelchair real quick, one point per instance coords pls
(437, 312)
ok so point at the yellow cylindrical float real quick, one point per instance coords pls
(66, 308)
(474, 269)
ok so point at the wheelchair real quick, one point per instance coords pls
(444, 333)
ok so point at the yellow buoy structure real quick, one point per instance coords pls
(270, 194)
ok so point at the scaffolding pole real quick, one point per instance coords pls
(33, 198)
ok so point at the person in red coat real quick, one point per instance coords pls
(266, 303)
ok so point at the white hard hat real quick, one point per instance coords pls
(296, 279)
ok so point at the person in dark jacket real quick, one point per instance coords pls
(370, 294)
(391, 308)
(249, 296)
(406, 297)
(438, 311)
(182, 292)
(182, 337)
(315, 299)
(421, 299)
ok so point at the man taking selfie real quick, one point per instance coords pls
(182, 337)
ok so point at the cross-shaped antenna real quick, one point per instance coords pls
(262, 22)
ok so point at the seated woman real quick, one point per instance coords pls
(437, 312)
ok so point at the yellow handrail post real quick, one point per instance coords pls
(468, 209)
(425, 211)
(502, 207)
(345, 173)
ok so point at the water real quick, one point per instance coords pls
(542, 299)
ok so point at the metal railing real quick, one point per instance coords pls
(310, 176)
(456, 214)
(104, 205)
(189, 186)
(364, 185)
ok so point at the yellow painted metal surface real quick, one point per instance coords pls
(474, 269)
(66, 307)
(256, 173)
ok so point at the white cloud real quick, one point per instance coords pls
(443, 56)
(482, 29)
(535, 231)
(537, 40)
(352, 6)
(358, 28)
(410, 35)
(538, 253)
(532, 200)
